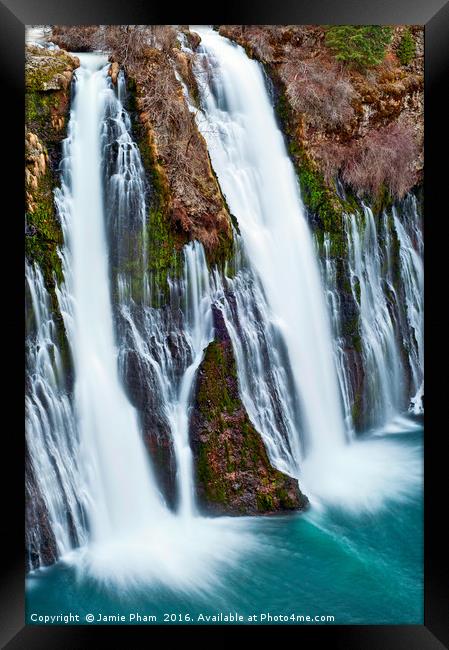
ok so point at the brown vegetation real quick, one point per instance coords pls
(321, 92)
(364, 125)
(150, 57)
(381, 159)
(77, 38)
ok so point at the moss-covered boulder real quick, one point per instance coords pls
(233, 474)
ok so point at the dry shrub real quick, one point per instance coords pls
(261, 39)
(331, 156)
(318, 91)
(77, 38)
(128, 44)
(383, 158)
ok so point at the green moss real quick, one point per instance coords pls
(382, 201)
(41, 246)
(214, 397)
(320, 199)
(360, 45)
(39, 75)
(43, 229)
(231, 459)
(265, 502)
(407, 48)
(357, 411)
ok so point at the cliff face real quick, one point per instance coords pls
(232, 469)
(185, 199)
(334, 110)
(48, 76)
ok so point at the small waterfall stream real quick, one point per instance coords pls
(411, 252)
(51, 432)
(166, 371)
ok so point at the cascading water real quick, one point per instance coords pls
(51, 433)
(136, 348)
(383, 363)
(266, 384)
(300, 362)
(166, 371)
(411, 250)
(127, 534)
(386, 274)
(123, 495)
(165, 347)
(258, 179)
(335, 308)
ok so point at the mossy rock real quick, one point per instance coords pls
(233, 471)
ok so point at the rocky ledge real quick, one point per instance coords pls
(233, 474)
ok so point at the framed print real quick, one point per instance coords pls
(225, 428)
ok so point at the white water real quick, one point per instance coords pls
(259, 182)
(275, 313)
(411, 249)
(340, 355)
(391, 311)
(383, 363)
(122, 492)
(133, 537)
(143, 329)
(265, 381)
(51, 433)
(167, 372)
(277, 320)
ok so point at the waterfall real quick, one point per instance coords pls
(164, 372)
(335, 310)
(386, 275)
(257, 177)
(265, 379)
(136, 348)
(411, 250)
(122, 492)
(163, 348)
(383, 363)
(51, 433)
(87, 453)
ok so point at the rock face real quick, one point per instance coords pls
(327, 107)
(233, 474)
(40, 543)
(47, 82)
(113, 72)
(175, 153)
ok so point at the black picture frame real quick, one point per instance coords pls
(434, 15)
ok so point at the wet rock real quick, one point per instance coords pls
(233, 474)
(113, 71)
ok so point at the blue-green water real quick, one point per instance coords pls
(360, 566)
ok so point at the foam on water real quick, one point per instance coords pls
(363, 476)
